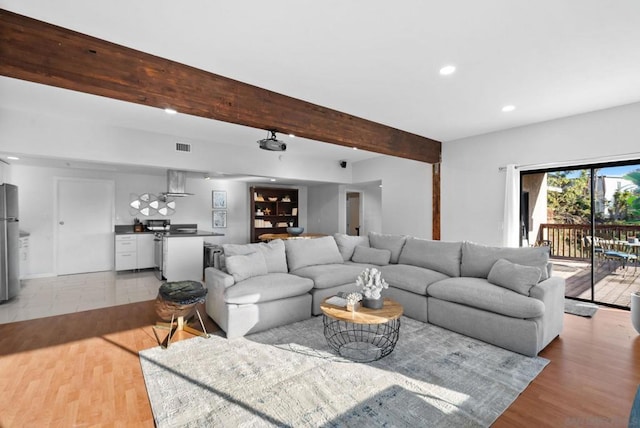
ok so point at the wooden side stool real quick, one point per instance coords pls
(175, 302)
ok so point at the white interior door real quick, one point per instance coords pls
(85, 225)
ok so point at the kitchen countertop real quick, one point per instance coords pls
(187, 235)
(128, 230)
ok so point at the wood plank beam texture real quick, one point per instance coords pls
(435, 202)
(39, 52)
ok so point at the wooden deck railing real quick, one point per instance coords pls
(567, 240)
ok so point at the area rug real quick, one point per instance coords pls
(583, 309)
(288, 377)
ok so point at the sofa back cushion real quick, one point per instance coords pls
(370, 255)
(245, 266)
(347, 244)
(273, 252)
(393, 243)
(477, 260)
(309, 252)
(443, 257)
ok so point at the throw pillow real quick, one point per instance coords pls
(347, 244)
(515, 277)
(273, 253)
(372, 256)
(245, 266)
(393, 243)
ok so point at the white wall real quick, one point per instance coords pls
(370, 206)
(472, 192)
(324, 209)
(406, 193)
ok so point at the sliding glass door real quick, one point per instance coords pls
(589, 217)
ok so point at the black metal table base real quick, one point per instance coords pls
(361, 342)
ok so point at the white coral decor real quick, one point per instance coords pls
(371, 282)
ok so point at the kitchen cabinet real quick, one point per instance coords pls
(273, 209)
(182, 258)
(145, 251)
(134, 251)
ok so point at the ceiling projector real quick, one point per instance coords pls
(272, 143)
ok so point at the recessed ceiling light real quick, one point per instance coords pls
(355, 148)
(507, 109)
(170, 111)
(273, 179)
(292, 135)
(447, 70)
(13, 158)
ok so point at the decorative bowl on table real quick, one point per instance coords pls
(295, 231)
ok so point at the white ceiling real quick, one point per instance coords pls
(370, 58)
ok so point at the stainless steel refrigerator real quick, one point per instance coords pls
(9, 242)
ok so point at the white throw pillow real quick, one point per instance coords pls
(372, 256)
(245, 266)
(515, 277)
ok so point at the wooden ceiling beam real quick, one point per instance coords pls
(39, 52)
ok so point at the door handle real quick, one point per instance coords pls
(61, 223)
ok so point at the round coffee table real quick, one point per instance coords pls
(364, 335)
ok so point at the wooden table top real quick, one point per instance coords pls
(390, 311)
(271, 236)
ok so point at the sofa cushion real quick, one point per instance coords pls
(243, 266)
(393, 243)
(265, 288)
(273, 252)
(479, 293)
(440, 256)
(515, 277)
(477, 260)
(331, 275)
(310, 252)
(410, 278)
(373, 256)
(347, 244)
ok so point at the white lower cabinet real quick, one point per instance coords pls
(134, 251)
(145, 251)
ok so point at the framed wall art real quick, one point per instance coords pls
(219, 218)
(219, 200)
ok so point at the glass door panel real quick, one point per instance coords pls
(568, 229)
(617, 224)
(590, 220)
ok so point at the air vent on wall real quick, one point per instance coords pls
(183, 147)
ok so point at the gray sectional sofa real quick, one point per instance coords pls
(503, 296)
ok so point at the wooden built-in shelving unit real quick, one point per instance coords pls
(273, 209)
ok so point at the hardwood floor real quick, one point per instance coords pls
(82, 369)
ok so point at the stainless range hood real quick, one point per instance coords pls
(176, 184)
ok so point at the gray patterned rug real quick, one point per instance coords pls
(583, 309)
(288, 377)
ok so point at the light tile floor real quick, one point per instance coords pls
(44, 297)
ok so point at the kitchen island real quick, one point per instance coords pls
(176, 253)
(182, 253)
